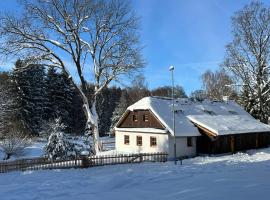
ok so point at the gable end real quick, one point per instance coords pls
(140, 115)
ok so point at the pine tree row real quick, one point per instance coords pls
(33, 96)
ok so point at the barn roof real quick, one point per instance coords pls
(229, 124)
(142, 130)
(187, 109)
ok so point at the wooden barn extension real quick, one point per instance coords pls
(231, 143)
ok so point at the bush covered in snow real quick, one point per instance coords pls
(58, 146)
(13, 144)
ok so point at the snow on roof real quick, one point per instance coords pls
(229, 124)
(184, 107)
(141, 130)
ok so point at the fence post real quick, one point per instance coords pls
(141, 158)
(82, 161)
(85, 162)
(101, 146)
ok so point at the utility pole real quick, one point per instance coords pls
(173, 111)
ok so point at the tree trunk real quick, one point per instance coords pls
(91, 114)
(95, 128)
(91, 119)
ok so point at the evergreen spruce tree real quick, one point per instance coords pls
(77, 118)
(107, 104)
(58, 146)
(31, 98)
(119, 110)
(67, 106)
(102, 107)
(7, 103)
(52, 81)
(60, 94)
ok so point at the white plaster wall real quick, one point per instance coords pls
(181, 147)
(162, 143)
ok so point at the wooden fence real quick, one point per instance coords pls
(80, 162)
(107, 145)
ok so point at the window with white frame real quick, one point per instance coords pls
(126, 139)
(139, 140)
(153, 141)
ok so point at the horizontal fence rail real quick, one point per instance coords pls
(80, 162)
(107, 145)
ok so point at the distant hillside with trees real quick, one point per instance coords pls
(39, 95)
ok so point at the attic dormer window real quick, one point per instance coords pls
(135, 118)
(232, 112)
(210, 112)
(179, 111)
(145, 118)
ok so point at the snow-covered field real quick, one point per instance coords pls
(36, 148)
(240, 176)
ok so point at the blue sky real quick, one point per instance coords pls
(189, 34)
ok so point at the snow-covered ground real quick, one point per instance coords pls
(240, 176)
(36, 148)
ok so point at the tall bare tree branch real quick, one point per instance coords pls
(248, 57)
(100, 37)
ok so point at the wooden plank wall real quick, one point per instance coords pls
(232, 143)
(152, 122)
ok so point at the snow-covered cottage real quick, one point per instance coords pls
(206, 127)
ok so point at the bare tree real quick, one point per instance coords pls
(99, 37)
(138, 89)
(198, 95)
(217, 84)
(166, 91)
(248, 57)
(13, 143)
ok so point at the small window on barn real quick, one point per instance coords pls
(179, 111)
(145, 118)
(232, 112)
(189, 141)
(135, 118)
(210, 112)
(153, 141)
(126, 139)
(139, 140)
